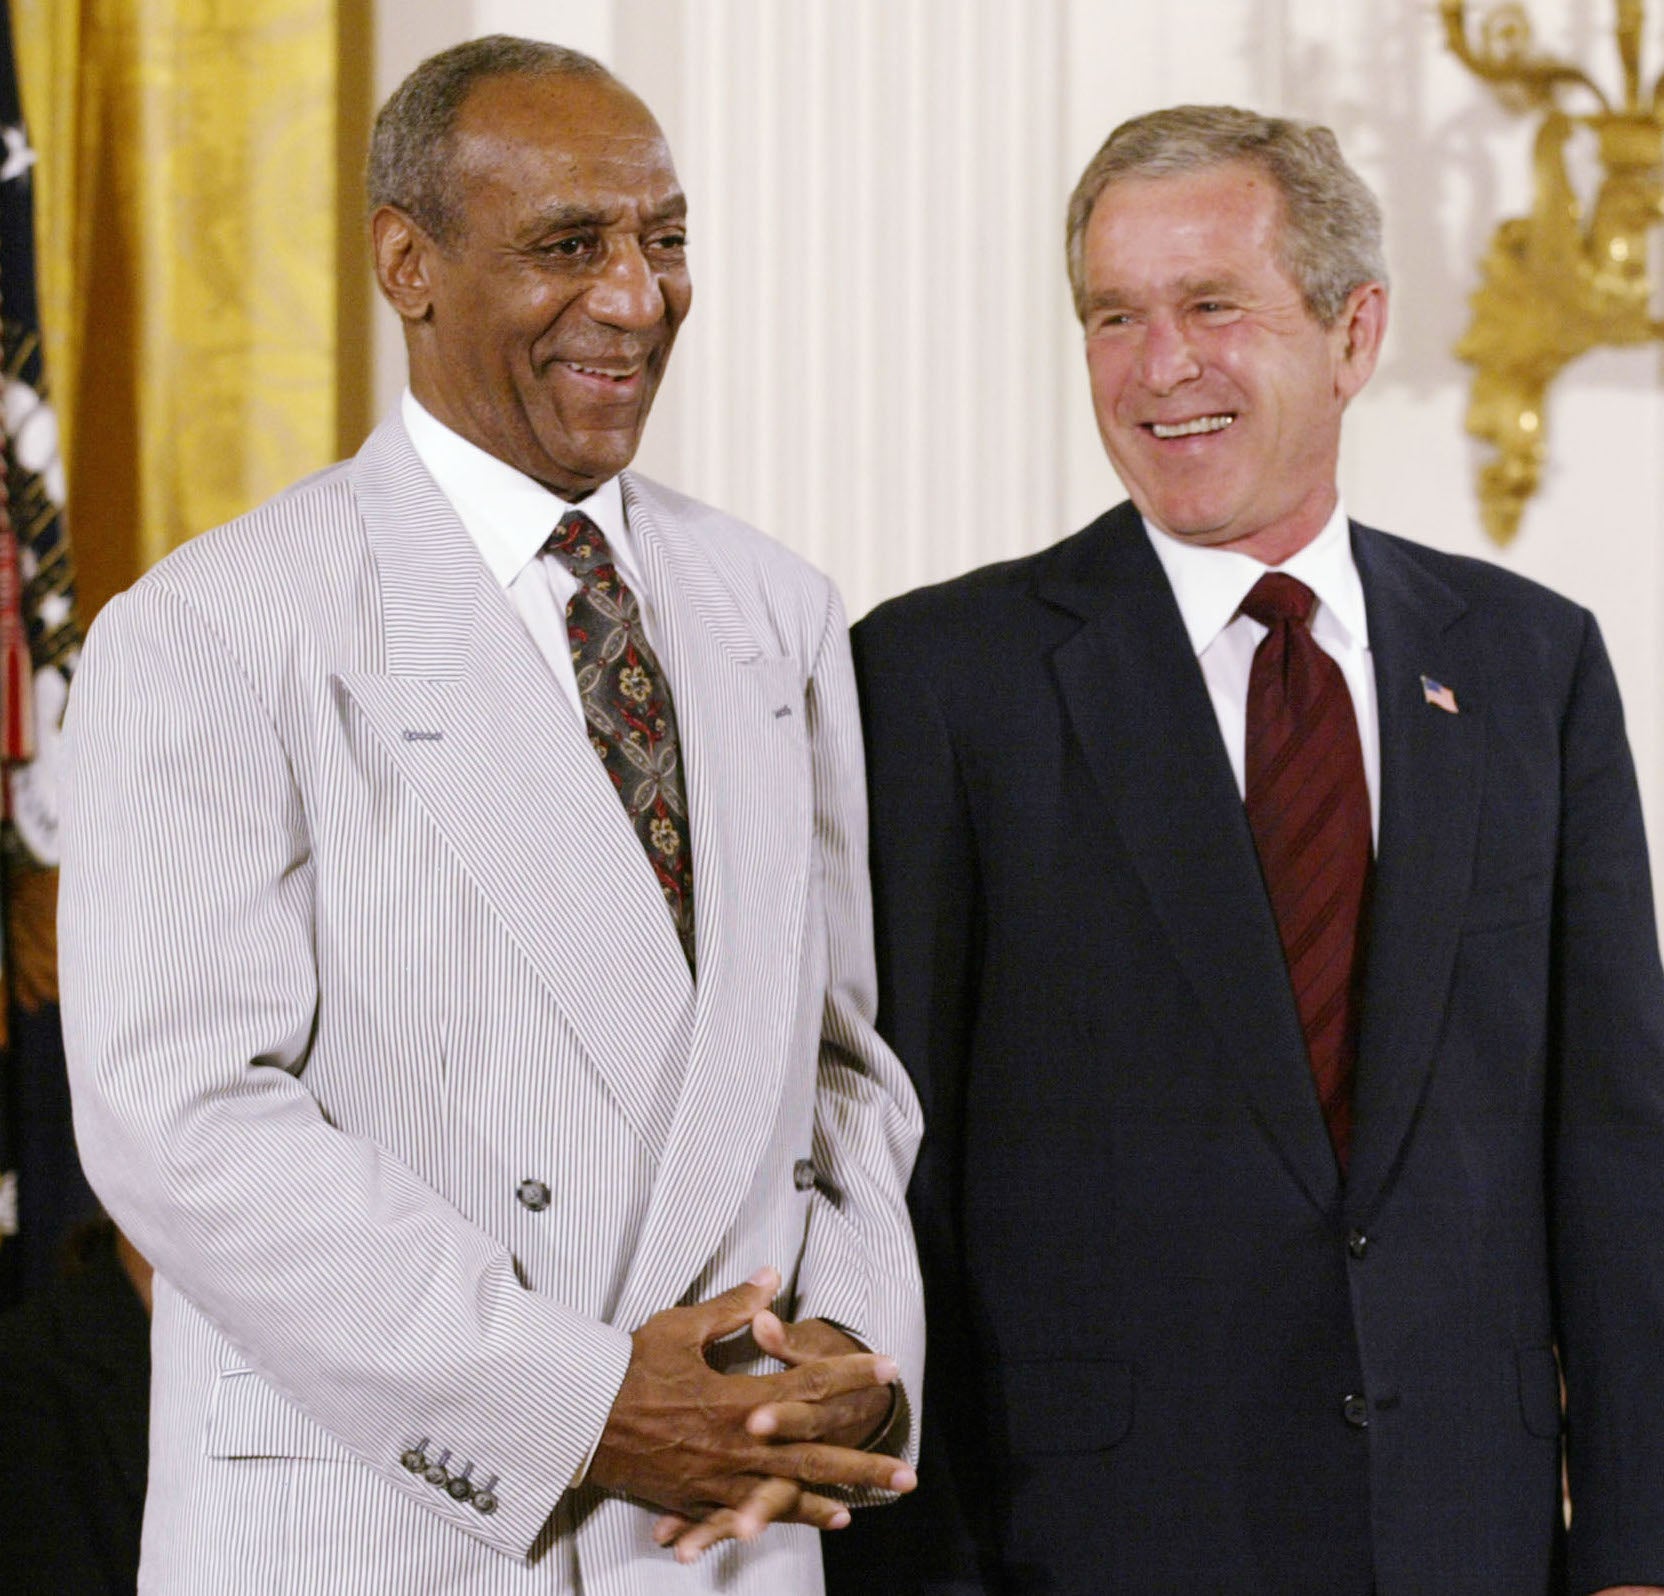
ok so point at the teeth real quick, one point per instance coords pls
(595, 371)
(1189, 429)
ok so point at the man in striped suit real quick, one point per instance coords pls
(467, 979)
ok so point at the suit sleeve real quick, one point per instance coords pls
(927, 917)
(859, 1267)
(189, 998)
(1607, 1153)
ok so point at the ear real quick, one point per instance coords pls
(403, 256)
(1357, 334)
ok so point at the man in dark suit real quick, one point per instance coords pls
(1263, 912)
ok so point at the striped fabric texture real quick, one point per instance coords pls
(357, 938)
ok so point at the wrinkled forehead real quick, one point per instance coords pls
(583, 133)
(1187, 191)
(1231, 214)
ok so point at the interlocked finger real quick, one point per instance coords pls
(771, 1501)
(832, 1377)
(839, 1465)
(668, 1528)
(794, 1421)
(733, 1309)
(697, 1539)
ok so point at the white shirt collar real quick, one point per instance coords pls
(1211, 583)
(508, 515)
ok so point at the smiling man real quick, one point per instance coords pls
(466, 949)
(1263, 914)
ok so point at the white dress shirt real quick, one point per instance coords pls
(1210, 584)
(509, 517)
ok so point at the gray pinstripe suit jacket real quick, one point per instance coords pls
(356, 937)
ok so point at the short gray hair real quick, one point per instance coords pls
(1331, 235)
(410, 163)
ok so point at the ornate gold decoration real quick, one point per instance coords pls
(1556, 283)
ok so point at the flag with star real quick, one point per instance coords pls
(42, 1191)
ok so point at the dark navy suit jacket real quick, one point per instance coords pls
(1170, 1349)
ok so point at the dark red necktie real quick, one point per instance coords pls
(626, 699)
(1308, 808)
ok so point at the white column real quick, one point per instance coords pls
(585, 25)
(872, 371)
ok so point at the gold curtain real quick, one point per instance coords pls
(200, 263)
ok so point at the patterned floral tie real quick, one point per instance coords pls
(626, 699)
(1308, 808)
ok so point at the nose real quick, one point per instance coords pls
(1167, 358)
(627, 293)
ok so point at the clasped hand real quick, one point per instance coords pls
(727, 1454)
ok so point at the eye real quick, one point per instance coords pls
(674, 242)
(1108, 321)
(569, 246)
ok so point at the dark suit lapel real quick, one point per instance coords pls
(1135, 696)
(1432, 765)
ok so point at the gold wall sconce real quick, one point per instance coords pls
(1564, 279)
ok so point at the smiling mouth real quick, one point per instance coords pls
(1190, 429)
(610, 374)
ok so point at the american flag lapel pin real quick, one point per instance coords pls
(1438, 695)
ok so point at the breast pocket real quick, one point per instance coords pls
(779, 746)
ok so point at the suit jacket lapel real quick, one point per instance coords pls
(1137, 701)
(740, 713)
(1432, 765)
(469, 716)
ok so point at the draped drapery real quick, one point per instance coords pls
(190, 204)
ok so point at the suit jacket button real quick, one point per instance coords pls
(484, 1502)
(533, 1194)
(1357, 1243)
(803, 1175)
(460, 1488)
(415, 1460)
(1356, 1412)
